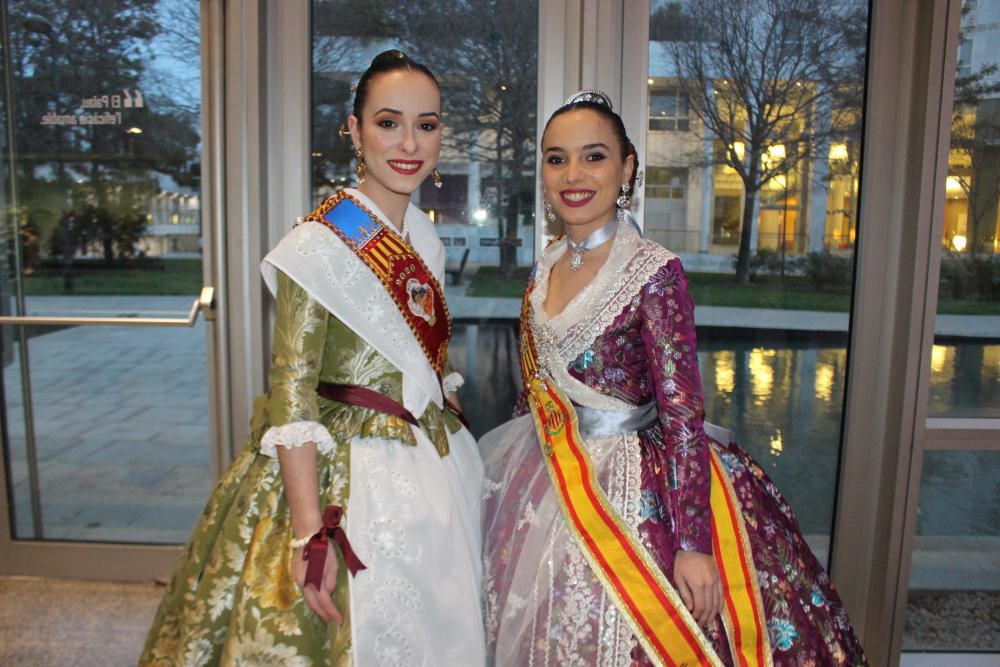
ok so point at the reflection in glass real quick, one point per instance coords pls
(792, 429)
(954, 593)
(107, 222)
(968, 322)
(121, 431)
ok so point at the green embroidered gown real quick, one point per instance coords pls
(232, 600)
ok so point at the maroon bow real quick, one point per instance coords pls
(316, 548)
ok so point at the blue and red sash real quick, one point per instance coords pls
(413, 288)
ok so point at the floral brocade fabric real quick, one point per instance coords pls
(650, 353)
(232, 600)
(629, 344)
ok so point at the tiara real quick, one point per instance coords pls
(591, 95)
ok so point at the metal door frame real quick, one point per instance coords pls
(136, 562)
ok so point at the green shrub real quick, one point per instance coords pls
(970, 277)
(766, 262)
(825, 270)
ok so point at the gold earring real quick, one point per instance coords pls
(361, 168)
(436, 175)
(343, 132)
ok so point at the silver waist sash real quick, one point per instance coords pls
(595, 423)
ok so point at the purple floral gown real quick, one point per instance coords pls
(629, 338)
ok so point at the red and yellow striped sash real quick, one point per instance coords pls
(743, 615)
(634, 582)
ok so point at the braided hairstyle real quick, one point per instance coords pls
(627, 147)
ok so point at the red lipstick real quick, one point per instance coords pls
(576, 198)
(406, 167)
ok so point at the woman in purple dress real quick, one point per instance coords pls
(621, 528)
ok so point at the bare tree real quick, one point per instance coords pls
(975, 137)
(763, 74)
(338, 57)
(69, 51)
(484, 53)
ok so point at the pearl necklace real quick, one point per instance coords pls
(593, 240)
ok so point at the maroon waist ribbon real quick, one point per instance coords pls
(315, 551)
(363, 397)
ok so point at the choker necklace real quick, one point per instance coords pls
(594, 239)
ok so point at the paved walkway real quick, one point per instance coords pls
(120, 424)
(958, 326)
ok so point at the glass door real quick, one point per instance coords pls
(104, 273)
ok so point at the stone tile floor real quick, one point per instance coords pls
(69, 623)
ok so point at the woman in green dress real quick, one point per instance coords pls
(347, 531)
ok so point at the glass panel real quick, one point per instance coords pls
(766, 220)
(954, 593)
(485, 56)
(105, 428)
(965, 360)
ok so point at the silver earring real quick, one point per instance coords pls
(623, 199)
(550, 215)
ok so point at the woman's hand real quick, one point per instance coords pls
(698, 583)
(320, 601)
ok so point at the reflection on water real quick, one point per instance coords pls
(782, 396)
(783, 399)
(965, 380)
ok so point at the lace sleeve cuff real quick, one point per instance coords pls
(296, 434)
(452, 382)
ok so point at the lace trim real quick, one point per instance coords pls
(397, 601)
(296, 434)
(550, 359)
(622, 248)
(596, 316)
(631, 263)
(345, 271)
(624, 492)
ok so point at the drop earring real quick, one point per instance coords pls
(550, 215)
(436, 175)
(623, 199)
(362, 168)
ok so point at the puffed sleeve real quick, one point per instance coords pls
(668, 333)
(296, 359)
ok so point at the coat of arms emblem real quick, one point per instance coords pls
(421, 300)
